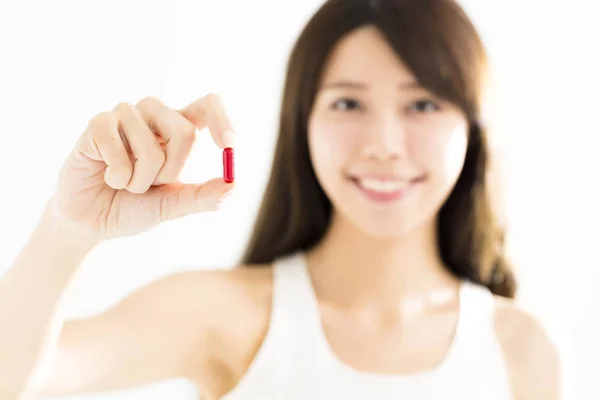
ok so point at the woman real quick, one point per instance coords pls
(376, 266)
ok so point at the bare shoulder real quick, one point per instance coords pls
(219, 301)
(224, 288)
(208, 297)
(231, 309)
(533, 352)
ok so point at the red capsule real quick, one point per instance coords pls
(228, 165)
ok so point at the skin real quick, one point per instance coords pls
(376, 127)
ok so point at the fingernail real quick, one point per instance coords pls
(228, 139)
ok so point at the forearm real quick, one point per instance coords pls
(30, 296)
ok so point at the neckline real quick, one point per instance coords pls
(335, 361)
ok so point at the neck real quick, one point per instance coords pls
(351, 268)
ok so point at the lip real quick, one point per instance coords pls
(379, 177)
(388, 197)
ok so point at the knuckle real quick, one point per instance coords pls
(123, 108)
(211, 96)
(148, 102)
(100, 129)
(213, 99)
(167, 211)
(186, 133)
(101, 121)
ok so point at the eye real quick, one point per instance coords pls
(346, 105)
(424, 106)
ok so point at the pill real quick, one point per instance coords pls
(228, 165)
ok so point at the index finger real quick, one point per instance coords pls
(209, 111)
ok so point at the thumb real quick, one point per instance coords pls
(183, 199)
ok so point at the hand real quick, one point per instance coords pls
(122, 176)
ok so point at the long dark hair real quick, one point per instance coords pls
(437, 41)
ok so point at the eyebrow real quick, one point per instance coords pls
(346, 84)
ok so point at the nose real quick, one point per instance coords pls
(385, 138)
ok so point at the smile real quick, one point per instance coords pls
(385, 190)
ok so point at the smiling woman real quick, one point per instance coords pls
(407, 111)
(376, 268)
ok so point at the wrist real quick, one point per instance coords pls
(56, 229)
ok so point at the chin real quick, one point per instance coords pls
(385, 219)
(385, 226)
(388, 229)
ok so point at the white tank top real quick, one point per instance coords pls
(296, 362)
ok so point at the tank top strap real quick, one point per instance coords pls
(290, 282)
(287, 350)
(477, 309)
(293, 297)
(475, 335)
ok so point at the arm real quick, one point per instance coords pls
(30, 296)
(201, 325)
(157, 333)
(151, 335)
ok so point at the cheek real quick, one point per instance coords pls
(442, 152)
(331, 145)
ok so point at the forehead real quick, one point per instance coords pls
(365, 55)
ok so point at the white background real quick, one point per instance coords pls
(61, 62)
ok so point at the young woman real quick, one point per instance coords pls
(376, 266)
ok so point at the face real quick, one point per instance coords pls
(386, 152)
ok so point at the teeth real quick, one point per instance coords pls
(381, 186)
